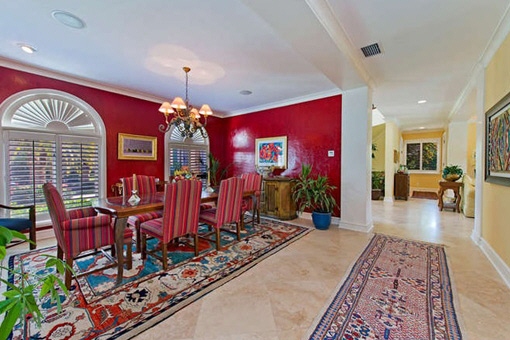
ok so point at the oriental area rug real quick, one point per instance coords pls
(397, 289)
(98, 309)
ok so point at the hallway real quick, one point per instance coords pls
(280, 297)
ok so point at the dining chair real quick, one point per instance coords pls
(20, 224)
(252, 183)
(81, 230)
(227, 210)
(145, 185)
(180, 218)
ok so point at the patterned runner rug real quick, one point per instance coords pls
(397, 289)
(97, 309)
(425, 194)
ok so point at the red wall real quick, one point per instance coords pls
(312, 128)
(232, 139)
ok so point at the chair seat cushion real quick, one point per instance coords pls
(208, 216)
(153, 227)
(137, 220)
(18, 224)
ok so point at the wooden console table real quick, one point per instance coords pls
(455, 186)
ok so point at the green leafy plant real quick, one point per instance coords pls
(452, 170)
(378, 180)
(215, 174)
(20, 300)
(313, 193)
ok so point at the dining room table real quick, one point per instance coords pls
(120, 208)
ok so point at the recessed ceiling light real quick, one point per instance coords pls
(423, 101)
(421, 127)
(245, 92)
(27, 48)
(68, 19)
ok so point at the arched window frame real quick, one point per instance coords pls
(174, 140)
(50, 114)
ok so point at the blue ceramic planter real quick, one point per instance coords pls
(321, 220)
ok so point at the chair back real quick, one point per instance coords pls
(230, 196)
(145, 185)
(252, 182)
(58, 212)
(182, 208)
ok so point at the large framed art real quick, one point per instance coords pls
(271, 152)
(137, 147)
(497, 143)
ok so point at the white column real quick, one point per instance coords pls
(480, 159)
(355, 195)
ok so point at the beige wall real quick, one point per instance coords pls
(424, 181)
(496, 215)
(379, 139)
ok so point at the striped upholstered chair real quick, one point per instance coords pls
(252, 182)
(145, 185)
(227, 210)
(180, 218)
(80, 230)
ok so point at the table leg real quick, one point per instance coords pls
(120, 226)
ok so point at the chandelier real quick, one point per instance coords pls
(184, 117)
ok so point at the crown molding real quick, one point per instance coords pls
(77, 80)
(286, 102)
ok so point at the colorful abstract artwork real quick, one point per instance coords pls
(271, 152)
(498, 143)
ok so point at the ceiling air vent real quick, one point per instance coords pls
(371, 50)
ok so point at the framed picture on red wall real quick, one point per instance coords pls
(137, 147)
(271, 152)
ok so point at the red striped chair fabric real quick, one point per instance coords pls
(80, 230)
(145, 185)
(228, 208)
(252, 182)
(180, 217)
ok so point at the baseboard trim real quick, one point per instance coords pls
(500, 265)
(356, 227)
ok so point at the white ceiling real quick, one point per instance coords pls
(284, 51)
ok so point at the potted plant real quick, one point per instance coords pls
(20, 300)
(314, 193)
(377, 184)
(452, 172)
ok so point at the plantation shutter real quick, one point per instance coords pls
(193, 156)
(80, 173)
(31, 163)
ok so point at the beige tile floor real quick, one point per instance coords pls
(280, 297)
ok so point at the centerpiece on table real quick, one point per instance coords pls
(183, 173)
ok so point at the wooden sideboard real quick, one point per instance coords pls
(401, 191)
(277, 198)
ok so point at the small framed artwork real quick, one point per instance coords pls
(271, 152)
(137, 147)
(497, 143)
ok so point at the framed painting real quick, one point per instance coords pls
(137, 147)
(497, 143)
(271, 152)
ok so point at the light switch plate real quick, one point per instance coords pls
(331, 153)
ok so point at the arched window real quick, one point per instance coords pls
(181, 151)
(51, 136)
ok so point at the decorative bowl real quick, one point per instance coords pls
(452, 177)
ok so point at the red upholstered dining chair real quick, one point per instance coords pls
(80, 230)
(227, 210)
(145, 185)
(252, 182)
(180, 218)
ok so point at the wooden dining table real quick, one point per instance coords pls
(120, 208)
